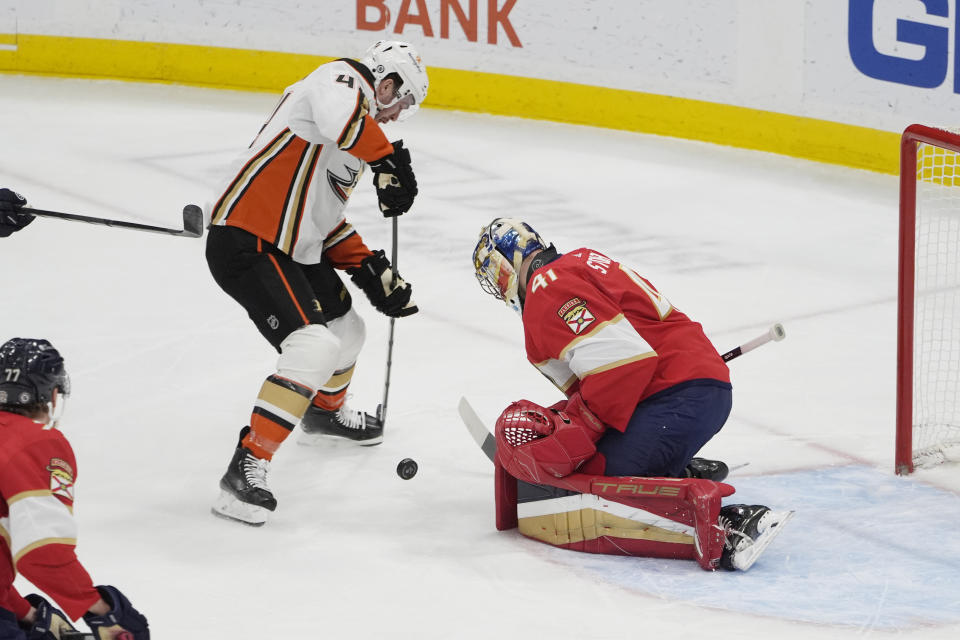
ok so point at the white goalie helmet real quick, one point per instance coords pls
(391, 56)
(500, 251)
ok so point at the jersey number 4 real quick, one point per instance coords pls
(661, 304)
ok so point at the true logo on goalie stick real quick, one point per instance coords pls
(575, 313)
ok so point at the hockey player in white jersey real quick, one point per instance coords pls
(278, 235)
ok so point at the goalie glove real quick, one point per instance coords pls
(375, 276)
(121, 619)
(394, 180)
(49, 623)
(10, 220)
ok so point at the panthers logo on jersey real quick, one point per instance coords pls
(575, 313)
(61, 478)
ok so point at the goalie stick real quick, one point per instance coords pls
(488, 443)
(192, 221)
(775, 333)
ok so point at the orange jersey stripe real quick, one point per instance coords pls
(286, 284)
(371, 144)
(348, 253)
(269, 195)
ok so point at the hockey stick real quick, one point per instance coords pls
(488, 443)
(382, 409)
(478, 431)
(775, 333)
(192, 221)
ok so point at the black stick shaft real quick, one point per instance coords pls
(386, 381)
(192, 221)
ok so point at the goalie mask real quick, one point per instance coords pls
(388, 57)
(32, 373)
(500, 251)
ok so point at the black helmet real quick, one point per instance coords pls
(30, 369)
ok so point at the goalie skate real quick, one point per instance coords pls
(346, 424)
(706, 469)
(750, 530)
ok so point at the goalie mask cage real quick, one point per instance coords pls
(928, 322)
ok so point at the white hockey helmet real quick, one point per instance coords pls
(500, 251)
(391, 56)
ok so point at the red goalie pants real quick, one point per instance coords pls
(618, 515)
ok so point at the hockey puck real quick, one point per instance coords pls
(407, 468)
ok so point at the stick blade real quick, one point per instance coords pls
(478, 431)
(192, 221)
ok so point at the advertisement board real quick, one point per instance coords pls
(870, 65)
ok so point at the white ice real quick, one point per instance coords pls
(165, 369)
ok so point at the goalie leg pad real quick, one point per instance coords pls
(650, 517)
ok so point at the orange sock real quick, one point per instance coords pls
(334, 391)
(278, 410)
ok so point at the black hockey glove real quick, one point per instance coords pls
(396, 185)
(121, 617)
(10, 220)
(49, 622)
(375, 276)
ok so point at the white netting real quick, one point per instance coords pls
(936, 356)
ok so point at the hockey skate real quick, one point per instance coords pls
(750, 529)
(705, 469)
(244, 494)
(346, 423)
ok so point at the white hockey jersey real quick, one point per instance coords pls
(291, 185)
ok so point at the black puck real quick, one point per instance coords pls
(407, 468)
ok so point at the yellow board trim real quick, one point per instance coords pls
(222, 67)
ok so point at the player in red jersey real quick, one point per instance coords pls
(279, 236)
(645, 387)
(37, 529)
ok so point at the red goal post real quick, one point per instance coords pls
(928, 317)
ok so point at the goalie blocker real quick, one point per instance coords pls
(546, 486)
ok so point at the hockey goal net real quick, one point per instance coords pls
(928, 344)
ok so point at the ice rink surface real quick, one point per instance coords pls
(165, 369)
